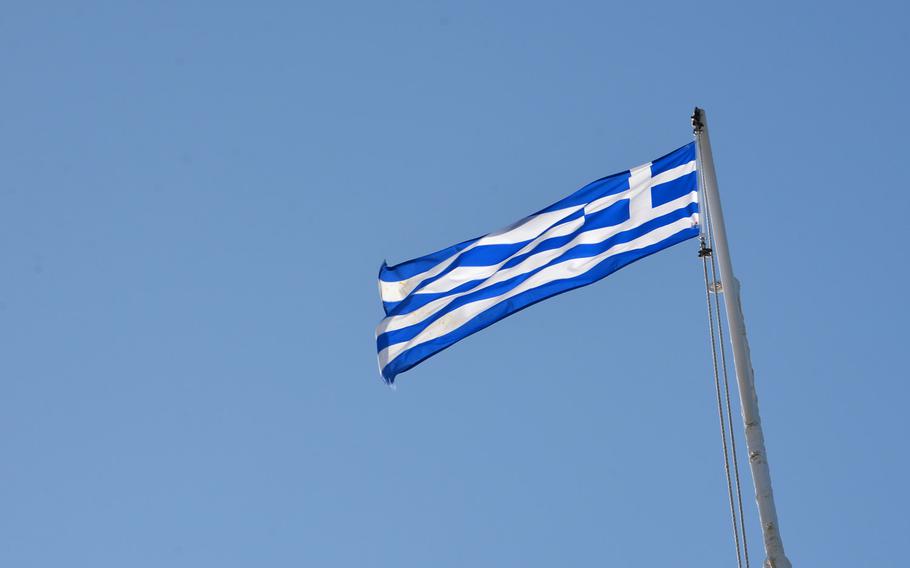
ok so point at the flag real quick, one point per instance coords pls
(436, 300)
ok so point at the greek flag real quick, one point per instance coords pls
(433, 301)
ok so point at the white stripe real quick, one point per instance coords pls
(673, 173)
(463, 274)
(640, 191)
(562, 271)
(605, 202)
(522, 231)
(533, 262)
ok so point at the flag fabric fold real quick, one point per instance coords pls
(436, 300)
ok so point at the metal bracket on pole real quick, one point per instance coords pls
(745, 378)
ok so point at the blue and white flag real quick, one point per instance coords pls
(433, 301)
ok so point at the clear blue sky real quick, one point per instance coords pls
(195, 198)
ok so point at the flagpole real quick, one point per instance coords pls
(745, 378)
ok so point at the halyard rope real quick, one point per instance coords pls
(704, 252)
(711, 285)
(723, 366)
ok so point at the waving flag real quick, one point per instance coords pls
(433, 301)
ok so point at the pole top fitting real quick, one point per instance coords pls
(698, 120)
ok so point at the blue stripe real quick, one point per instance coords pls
(487, 255)
(415, 355)
(610, 185)
(667, 192)
(675, 158)
(413, 267)
(579, 251)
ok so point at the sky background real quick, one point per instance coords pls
(195, 198)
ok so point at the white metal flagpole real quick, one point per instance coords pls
(745, 378)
